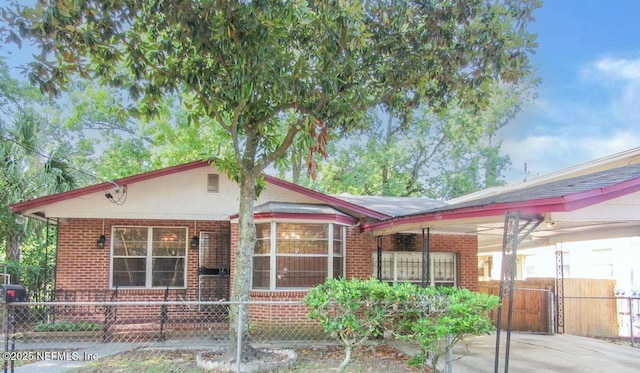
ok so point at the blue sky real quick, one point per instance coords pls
(588, 103)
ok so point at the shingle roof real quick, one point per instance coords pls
(392, 206)
(554, 189)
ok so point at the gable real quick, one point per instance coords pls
(184, 192)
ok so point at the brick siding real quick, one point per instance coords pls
(81, 266)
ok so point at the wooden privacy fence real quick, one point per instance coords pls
(532, 307)
(589, 309)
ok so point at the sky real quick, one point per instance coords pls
(588, 101)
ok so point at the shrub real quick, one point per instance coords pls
(353, 311)
(349, 311)
(67, 326)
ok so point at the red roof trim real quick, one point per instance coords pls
(34, 203)
(566, 203)
(336, 202)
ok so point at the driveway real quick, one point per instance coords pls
(534, 353)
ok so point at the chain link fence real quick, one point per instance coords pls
(145, 336)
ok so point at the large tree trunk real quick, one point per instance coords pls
(241, 287)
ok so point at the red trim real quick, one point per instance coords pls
(336, 202)
(570, 202)
(34, 203)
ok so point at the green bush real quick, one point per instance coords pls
(353, 311)
(67, 326)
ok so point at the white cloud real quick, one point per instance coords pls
(618, 68)
(549, 153)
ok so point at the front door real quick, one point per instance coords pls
(213, 269)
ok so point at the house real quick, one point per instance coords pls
(171, 234)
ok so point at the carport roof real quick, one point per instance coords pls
(555, 201)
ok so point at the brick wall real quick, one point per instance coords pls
(82, 266)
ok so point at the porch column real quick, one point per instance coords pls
(426, 276)
(379, 265)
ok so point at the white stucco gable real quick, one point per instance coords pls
(176, 193)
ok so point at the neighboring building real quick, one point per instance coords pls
(610, 258)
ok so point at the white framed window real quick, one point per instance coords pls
(297, 255)
(148, 257)
(213, 183)
(400, 266)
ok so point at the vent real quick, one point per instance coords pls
(213, 183)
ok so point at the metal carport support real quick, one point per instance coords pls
(517, 227)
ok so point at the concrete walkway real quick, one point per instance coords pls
(533, 353)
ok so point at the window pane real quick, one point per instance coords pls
(263, 246)
(263, 230)
(169, 241)
(168, 272)
(130, 241)
(129, 271)
(444, 269)
(337, 247)
(338, 268)
(301, 246)
(261, 266)
(303, 231)
(300, 272)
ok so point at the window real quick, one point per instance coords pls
(149, 257)
(407, 266)
(213, 183)
(294, 255)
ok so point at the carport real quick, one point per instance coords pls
(597, 200)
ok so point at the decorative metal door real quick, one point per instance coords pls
(213, 268)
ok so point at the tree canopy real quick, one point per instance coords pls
(270, 71)
(440, 156)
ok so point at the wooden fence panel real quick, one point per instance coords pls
(587, 311)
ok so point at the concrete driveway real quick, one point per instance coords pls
(533, 353)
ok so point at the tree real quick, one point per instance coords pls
(268, 72)
(439, 156)
(33, 162)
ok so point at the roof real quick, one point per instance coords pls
(598, 182)
(393, 206)
(556, 196)
(287, 210)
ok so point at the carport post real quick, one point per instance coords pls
(631, 321)
(426, 276)
(514, 233)
(379, 264)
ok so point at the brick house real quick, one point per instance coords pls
(172, 233)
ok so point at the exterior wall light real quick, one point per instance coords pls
(195, 242)
(101, 241)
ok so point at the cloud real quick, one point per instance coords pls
(618, 68)
(544, 154)
(596, 115)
